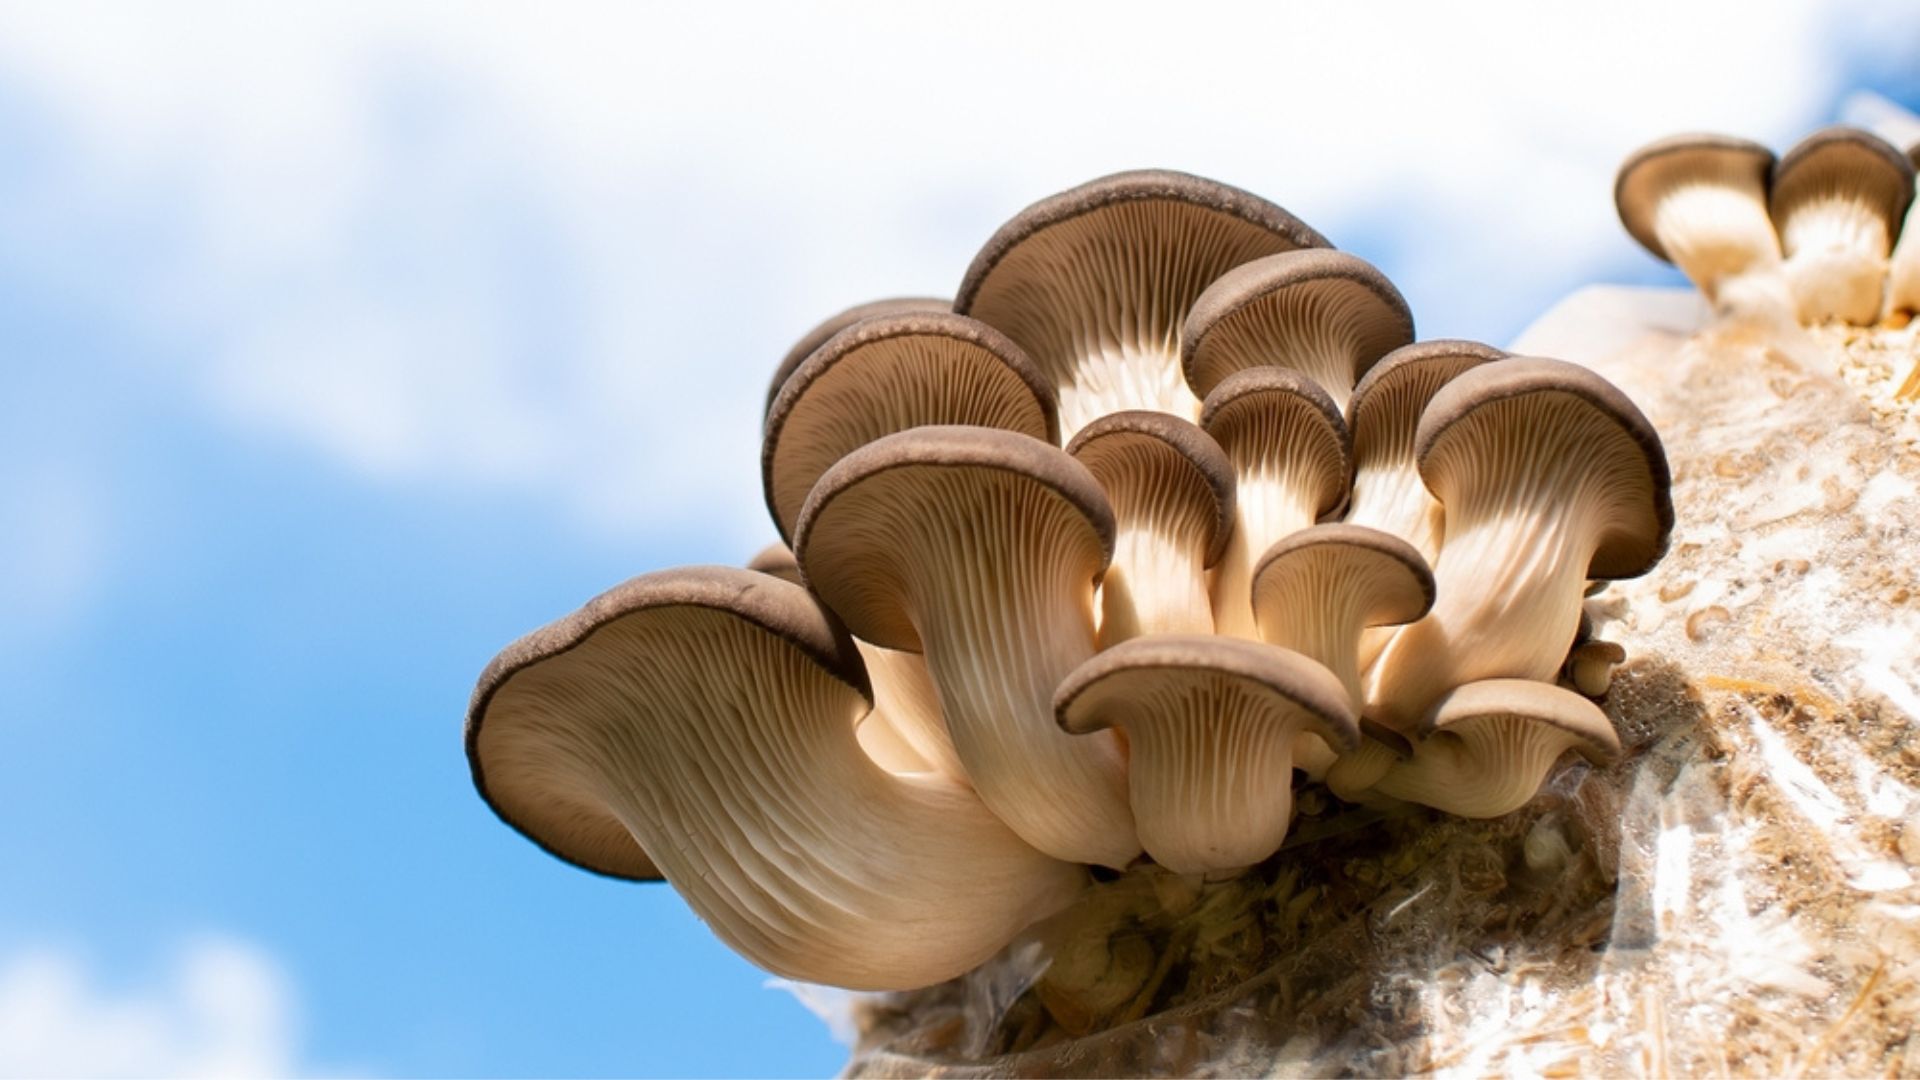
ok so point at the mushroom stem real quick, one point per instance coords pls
(1837, 266)
(1156, 585)
(1508, 587)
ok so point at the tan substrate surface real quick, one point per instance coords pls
(1740, 896)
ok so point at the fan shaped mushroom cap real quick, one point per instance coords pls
(981, 548)
(1094, 282)
(1322, 312)
(887, 374)
(1316, 590)
(816, 337)
(1549, 476)
(1383, 415)
(1486, 746)
(1903, 274)
(1211, 724)
(1837, 200)
(1292, 461)
(1700, 202)
(1171, 488)
(697, 724)
(904, 733)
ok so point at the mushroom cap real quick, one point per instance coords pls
(1254, 313)
(1186, 457)
(1465, 413)
(1107, 688)
(509, 703)
(776, 560)
(1651, 171)
(1119, 189)
(1543, 703)
(816, 337)
(1845, 159)
(1093, 282)
(942, 463)
(1398, 585)
(1257, 400)
(888, 373)
(1394, 392)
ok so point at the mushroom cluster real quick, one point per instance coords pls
(1165, 512)
(1819, 234)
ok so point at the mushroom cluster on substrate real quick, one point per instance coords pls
(1166, 506)
(1822, 234)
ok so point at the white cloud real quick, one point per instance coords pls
(225, 1009)
(520, 251)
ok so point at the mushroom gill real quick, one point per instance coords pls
(1095, 282)
(698, 725)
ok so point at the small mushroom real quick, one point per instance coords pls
(904, 733)
(816, 337)
(1903, 273)
(1325, 313)
(1550, 477)
(1292, 462)
(1590, 666)
(1486, 746)
(1094, 282)
(981, 549)
(1171, 487)
(1315, 591)
(1837, 200)
(697, 724)
(1353, 774)
(1211, 725)
(1700, 203)
(1383, 415)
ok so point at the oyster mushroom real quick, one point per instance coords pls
(697, 725)
(981, 548)
(1291, 461)
(1383, 414)
(1837, 200)
(1171, 487)
(1700, 203)
(1550, 477)
(816, 337)
(1486, 746)
(1315, 591)
(1211, 727)
(1094, 282)
(886, 374)
(1325, 313)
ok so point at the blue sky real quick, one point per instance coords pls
(341, 347)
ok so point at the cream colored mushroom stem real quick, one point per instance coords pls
(1171, 487)
(1549, 477)
(1700, 202)
(980, 548)
(1839, 258)
(700, 723)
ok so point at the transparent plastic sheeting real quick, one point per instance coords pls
(1740, 895)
